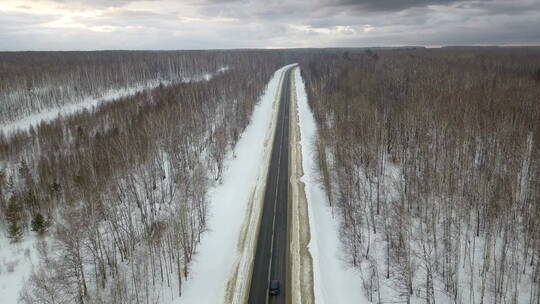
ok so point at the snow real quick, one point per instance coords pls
(16, 263)
(51, 114)
(219, 252)
(334, 281)
(48, 115)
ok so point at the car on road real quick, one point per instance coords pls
(274, 287)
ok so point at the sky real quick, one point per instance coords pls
(211, 24)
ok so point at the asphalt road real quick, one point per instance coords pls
(272, 245)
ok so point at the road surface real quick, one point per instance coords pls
(271, 257)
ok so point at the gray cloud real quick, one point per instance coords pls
(100, 3)
(20, 21)
(385, 5)
(197, 24)
(503, 8)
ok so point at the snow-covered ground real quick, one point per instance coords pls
(334, 281)
(234, 206)
(337, 282)
(222, 253)
(16, 263)
(35, 119)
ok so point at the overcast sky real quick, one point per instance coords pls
(202, 24)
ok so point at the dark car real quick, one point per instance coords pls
(274, 287)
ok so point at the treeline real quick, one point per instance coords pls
(431, 159)
(120, 191)
(31, 82)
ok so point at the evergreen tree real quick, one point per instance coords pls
(13, 216)
(13, 209)
(38, 224)
(2, 183)
(24, 171)
(15, 232)
(26, 175)
(31, 200)
(54, 188)
(10, 184)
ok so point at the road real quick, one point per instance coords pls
(271, 257)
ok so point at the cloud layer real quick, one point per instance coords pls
(201, 24)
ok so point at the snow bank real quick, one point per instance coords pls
(219, 249)
(334, 281)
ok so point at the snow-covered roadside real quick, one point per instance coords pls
(35, 119)
(334, 281)
(225, 250)
(300, 259)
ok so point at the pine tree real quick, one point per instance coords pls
(13, 216)
(10, 184)
(38, 224)
(26, 175)
(2, 183)
(24, 171)
(14, 231)
(54, 188)
(13, 209)
(31, 200)
(54, 191)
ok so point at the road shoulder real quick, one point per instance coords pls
(300, 260)
(237, 290)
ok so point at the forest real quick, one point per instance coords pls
(430, 158)
(118, 193)
(31, 82)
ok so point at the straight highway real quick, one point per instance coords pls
(271, 257)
